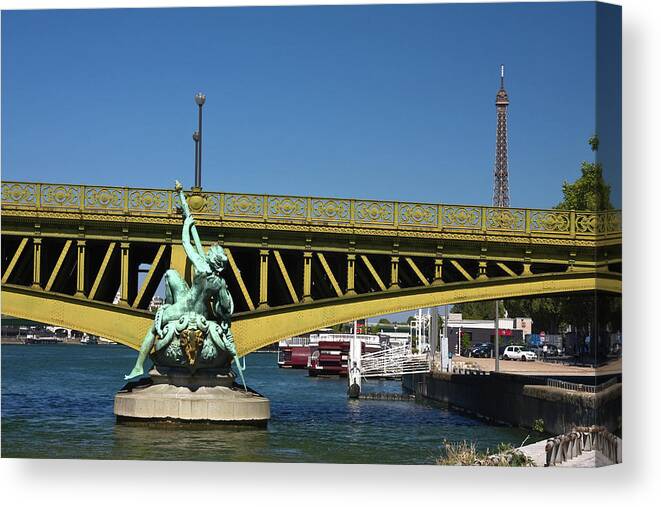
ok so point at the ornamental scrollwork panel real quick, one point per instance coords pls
(212, 204)
(587, 223)
(418, 214)
(286, 207)
(104, 198)
(506, 219)
(64, 196)
(375, 212)
(550, 221)
(613, 222)
(148, 200)
(331, 209)
(462, 216)
(19, 193)
(204, 204)
(241, 205)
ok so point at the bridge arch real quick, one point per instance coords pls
(256, 329)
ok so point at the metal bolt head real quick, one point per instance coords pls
(200, 98)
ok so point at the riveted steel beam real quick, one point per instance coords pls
(14, 260)
(239, 279)
(285, 275)
(329, 273)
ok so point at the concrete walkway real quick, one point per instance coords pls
(540, 367)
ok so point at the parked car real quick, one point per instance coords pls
(473, 348)
(551, 350)
(518, 352)
(481, 350)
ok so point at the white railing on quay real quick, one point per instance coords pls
(394, 362)
(581, 387)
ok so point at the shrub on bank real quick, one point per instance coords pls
(466, 454)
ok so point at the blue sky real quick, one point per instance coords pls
(388, 102)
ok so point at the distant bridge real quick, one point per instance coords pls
(296, 264)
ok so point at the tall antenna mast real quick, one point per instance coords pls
(501, 192)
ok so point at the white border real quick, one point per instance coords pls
(636, 482)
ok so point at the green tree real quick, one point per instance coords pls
(479, 310)
(383, 320)
(545, 312)
(590, 191)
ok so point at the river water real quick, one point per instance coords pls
(57, 402)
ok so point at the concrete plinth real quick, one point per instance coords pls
(192, 399)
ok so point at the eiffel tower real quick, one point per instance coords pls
(501, 190)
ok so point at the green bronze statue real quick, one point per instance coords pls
(192, 329)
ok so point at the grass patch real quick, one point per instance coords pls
(466, 454)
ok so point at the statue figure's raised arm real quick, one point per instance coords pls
(198, 259)
(187, 214)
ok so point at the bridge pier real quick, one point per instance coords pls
(175, 395)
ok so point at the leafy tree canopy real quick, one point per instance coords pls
(479, 310)
(590, 191)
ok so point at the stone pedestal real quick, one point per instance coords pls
(173, 394)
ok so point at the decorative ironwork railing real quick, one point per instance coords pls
(391, 214)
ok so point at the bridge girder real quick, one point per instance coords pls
(314, 260)
(256, 329)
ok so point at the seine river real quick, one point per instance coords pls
(57, 402)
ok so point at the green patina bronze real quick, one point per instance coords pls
(192, 329)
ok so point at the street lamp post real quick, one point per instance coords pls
(196, 138)
(200, 98)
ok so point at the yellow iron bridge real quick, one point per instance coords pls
(296, 264)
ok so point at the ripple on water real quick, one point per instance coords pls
(57, 403)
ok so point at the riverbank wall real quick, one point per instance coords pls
(519, 400)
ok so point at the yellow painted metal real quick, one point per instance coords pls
(307, 276)
(121, 324)
(461, 269)
(58, 265)
(263, 278)
(125, 275)
(351, 273)
(505, 268)
(329, 273)
(239, 279)
(150, 274)
(248, 210)
(259, 328)
(375, 275)
(14, 260)
(417, 271)
(102, 270)
(394, 272)
(80, 268)
(180, 263)
(36, 263)
(438, 271)
(285, 275)
(482, 269)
